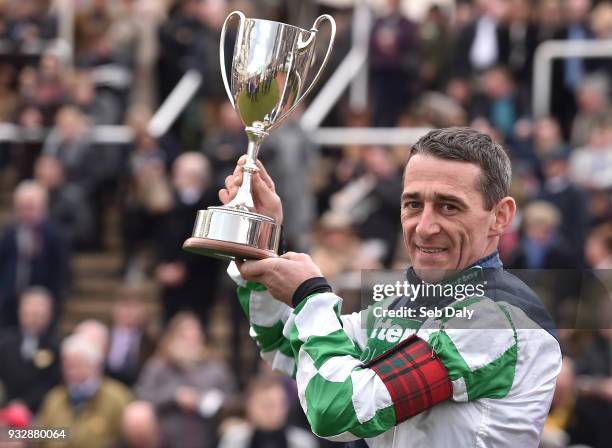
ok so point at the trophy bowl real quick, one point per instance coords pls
(270, 66)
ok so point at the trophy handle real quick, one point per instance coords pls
(304, 45)
(222, 50)
(332, 37)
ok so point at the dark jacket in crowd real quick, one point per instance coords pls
(198, 290)
(462, 66)
(563, 101)
(46, 265)
(28, 377)
(141, 348)
(572, 202)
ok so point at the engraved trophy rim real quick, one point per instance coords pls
(283, 24)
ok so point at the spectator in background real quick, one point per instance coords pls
(522, 41)
(32, 252)
(51, 89)
(336, 247)
(25, 152)
(601, 20)
(27, 85)
(541, 246)
(130, 344)
(600, 207)
(134, 32)
(267, 408)
(95, 332)
(101, 107)
(460, 90)
(226, 144)
(29, 354)
(91, 23)
(70, 142)
(593, 100)
(148, 197)
(188, 281)
(186, 384)
(67, 202)
(568, 73)
(92, 168)
(549, 16)
(547, 138)
(140, 427)
(534, 143)
(590, 424)
(10, 98)
(570, 200)
(483, 43)
(436, 109)
(290, 156)
(393, 64)
(591, 165)
(203, 55)
(434, 48)
(560, 418)
(598, 249)
(88, 403)
(29, 21)
(176, 36)
(381, 221)
(371, 203)
(502, 103)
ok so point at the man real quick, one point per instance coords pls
(267, 410)
(68, 206)
(393, 64)
(569, 73)
(88, 403)
(130, 344)
(29, 364)
(484, 380)
(571, 201)
(96, 333)
(484, 42)
(32, 252)
(189, 282)
(140, 426)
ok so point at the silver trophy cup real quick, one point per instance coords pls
(269, 70)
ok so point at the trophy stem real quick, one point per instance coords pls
(244, 198)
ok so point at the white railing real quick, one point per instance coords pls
(554, 49)
(174, 104)
(112, 135)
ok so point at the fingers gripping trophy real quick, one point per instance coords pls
(270, 66)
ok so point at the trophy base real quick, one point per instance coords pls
(228, 233)
(225, 250)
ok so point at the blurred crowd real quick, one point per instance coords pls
(117, 383)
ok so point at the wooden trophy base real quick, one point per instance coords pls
(225, 250)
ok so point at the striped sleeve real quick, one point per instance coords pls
(479, 352)
(342, 400)
(267, 318)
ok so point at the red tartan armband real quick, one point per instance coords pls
(415, 378)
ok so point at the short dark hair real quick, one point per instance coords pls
(471, 146)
